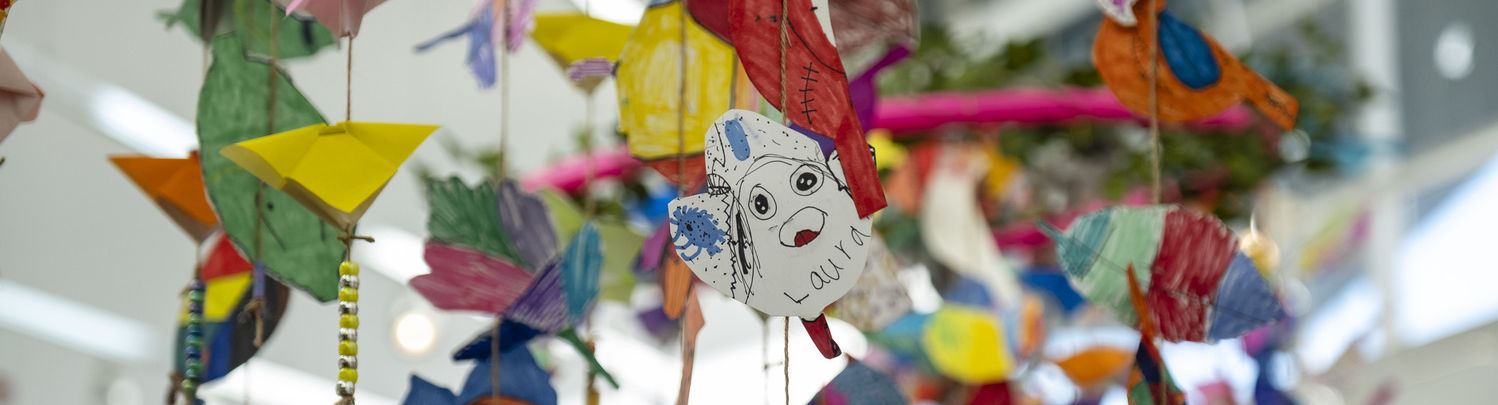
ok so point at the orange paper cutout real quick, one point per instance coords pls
(176, 185)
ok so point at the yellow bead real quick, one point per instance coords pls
(347, 294)
(348, 374)
(348, 348)
(348, 321)
(348, 269)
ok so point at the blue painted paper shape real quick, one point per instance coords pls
(581, 266)
(519, 378)
(1187, 52)
(1244, 301)
(859, 384)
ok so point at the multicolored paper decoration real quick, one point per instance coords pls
(342, 17)
(1149, 382)
(776, 228)
(651, 84)
(484, 35)
(227, 331)
(298, 248)
(175, 185)
(818, 85)
(879, 298)
(954, 228)
(861, 385)
(1197, 78)
(20, 99)
(334, 170)
(1201, 288)
(968, 345)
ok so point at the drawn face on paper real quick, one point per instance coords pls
(1121, 11)
(777, 228)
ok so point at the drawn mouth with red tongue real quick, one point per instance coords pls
(802, 227)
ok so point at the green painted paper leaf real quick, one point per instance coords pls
(620, 246)
(469, 217)
(564, 213)
(249, 20)
(299, 249)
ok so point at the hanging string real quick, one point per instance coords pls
(1154, 76)
(348, 82)
(256, 306)
(681, 103)
(504, 91)
(785, 120)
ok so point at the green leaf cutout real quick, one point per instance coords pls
(250, 21)
(299, 248)
(468, 217)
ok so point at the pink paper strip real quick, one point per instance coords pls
(569, 174)
(1024, 106)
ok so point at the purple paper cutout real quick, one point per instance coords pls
(542, 306)
(653, 250)
(527, 221)
(590, 68)
(862, 89)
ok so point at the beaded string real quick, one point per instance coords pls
(348, 319)
(192, 364)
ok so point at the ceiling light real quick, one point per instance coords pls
(74, 325)
(415, 332)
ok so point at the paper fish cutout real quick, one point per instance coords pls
(967, 345)
(818, 85)
(1198, 79)
(954, 228)
(342, 17)
(650, 81)
(879, 297)
(859, 384)
(176, 185)
(1200, 287)
(521, 381)
(20, 98)
(233, 106)
(483, 35)
(776, 229)
(1095, 365)
(571, 37)
(228, 330)
(860, 23)
(334, 170)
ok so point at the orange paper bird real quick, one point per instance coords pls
(176, 185)
(1197, 78)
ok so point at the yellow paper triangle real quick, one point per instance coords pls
(571, 37)
(334, 170)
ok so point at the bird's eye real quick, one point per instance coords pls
(806, 180)
(761, 203)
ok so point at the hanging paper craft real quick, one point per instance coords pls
(334, 170)
(342, 17)
(20, 99)
(298, 248)
(175, 185)
(968, 345)
(859, 384)
(571, 37)
(863, 90)
(229, 328)
(1200, 287)
(296, 36)
(818, 85)
(879, 297)
(954, 228)
(521, 381)
(860, 23)
(1149, 382)
(716, 16)
(483, 35)
(650, 86)
(1197, 78)
(1093, 366)
(776, 229)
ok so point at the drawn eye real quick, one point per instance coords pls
(761, 203)
(806, 180)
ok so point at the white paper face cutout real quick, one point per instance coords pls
(1121, 11)
(777, 229)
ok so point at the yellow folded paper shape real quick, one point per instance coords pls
(175, 185)
(571, 37)
(650, 84)
(967, 345)
(335, 171)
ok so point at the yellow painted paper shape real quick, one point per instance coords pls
(334, 170)
(220, 297)
(571, 37)
(176, 185)
(967, 345)
(649, 81)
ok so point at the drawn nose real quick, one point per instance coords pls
(802, 227)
